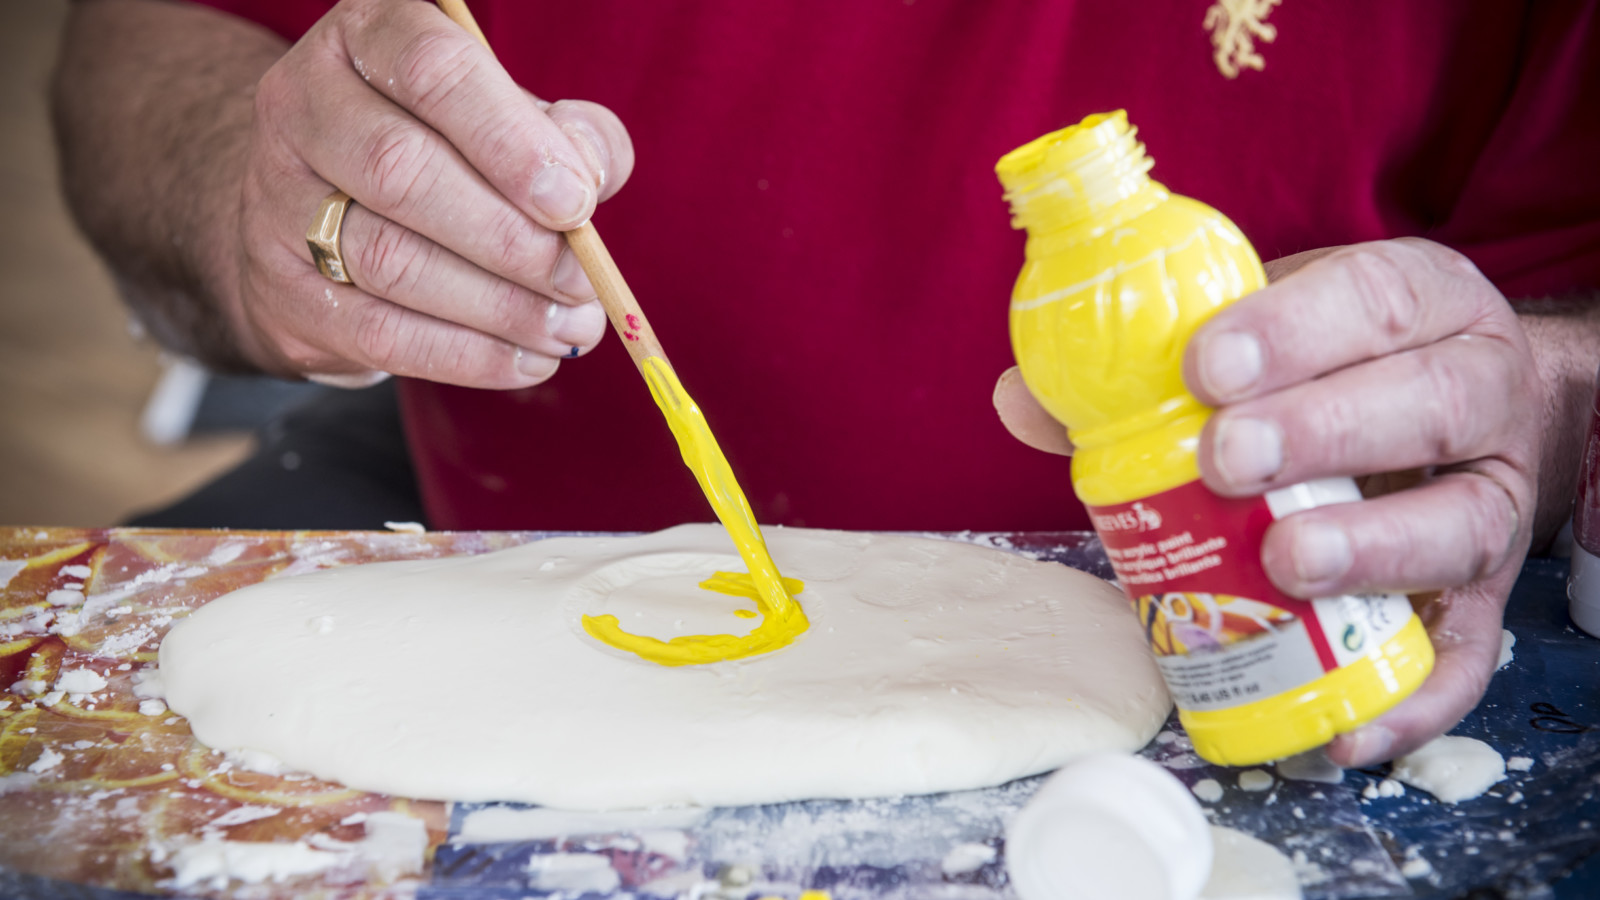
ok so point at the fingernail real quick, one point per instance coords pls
(569, 278)
(561, 195)
(1230, 363)
(581, 325)
(535, 365)
(1371, 744)
(1321, 552)
(1247, 451)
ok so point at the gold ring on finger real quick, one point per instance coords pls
(323, 237)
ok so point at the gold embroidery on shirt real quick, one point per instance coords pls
(1234, 26)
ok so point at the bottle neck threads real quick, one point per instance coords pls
(1094, 170)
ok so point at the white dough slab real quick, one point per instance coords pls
(929, 666)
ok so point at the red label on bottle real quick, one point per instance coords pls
(1222, 633)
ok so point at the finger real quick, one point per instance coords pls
(1357, 303)
(1022, 415)
(1460, 527)
(600, 138)
(1446, 402)
(338, 329)
(405, 172)
(448, 80)
(1465, 629)
(391, 261)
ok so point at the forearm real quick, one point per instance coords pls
(152, 103)
(1565, 337)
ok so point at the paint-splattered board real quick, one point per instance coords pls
(102, 794)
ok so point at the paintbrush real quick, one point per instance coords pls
(699, 448)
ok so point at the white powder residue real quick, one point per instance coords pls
(667, 842)
(1516, 797)
(226, 553)
(147, 684)
(580, 873)
(47, 760)
(1385, 788)
(9, 568)
(1507, 641)
(215, 862)
(64, 597)
(242, 815)
(395, 844)
(1519, 764)
(1452, 768)
(965, 858)
(80, 681)
(1255, 780)
(406, 527)
(501, 824)
(255, 761)
(125, 643)
(1415, 865)
(1208, 789)
(152, 708)
(76, 571)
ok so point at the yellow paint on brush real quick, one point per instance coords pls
(782, 619)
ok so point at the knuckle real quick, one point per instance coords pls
(1386, 298)
(505, 310)
(379, 338)
(1489, 516)
(1454, 413)
(392, 260)
(435, 65)
(400, 169)
(512, 247)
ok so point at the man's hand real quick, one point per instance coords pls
(1387, 357)
(462, 184)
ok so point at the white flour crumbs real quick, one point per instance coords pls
(1385, 788)
(394, 845)
(214, 862)
(76, 571)
(1255, 780)
(1519, 764)
(1507, 641)
(9, 569)
(1516, 797)
(580, 873)
(1208, 789)
(502, 824)
(965, 858)
(1415, 866)
(406, 527)
(147, 684)
(242, 815)
(1312, 765)
(1452, 768)
(48, 759)
(152, 708)
(226, 553)
(64, 598)
(80, 681)
(255, 761)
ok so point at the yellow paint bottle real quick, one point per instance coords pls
(1119, 273)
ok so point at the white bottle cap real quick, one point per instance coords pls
(1110, 826)
(1583, 590)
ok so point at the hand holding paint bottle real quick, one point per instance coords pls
(1119, 273)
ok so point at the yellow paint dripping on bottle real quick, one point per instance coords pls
(782, 619)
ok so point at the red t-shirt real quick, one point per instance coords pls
(816, 232)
